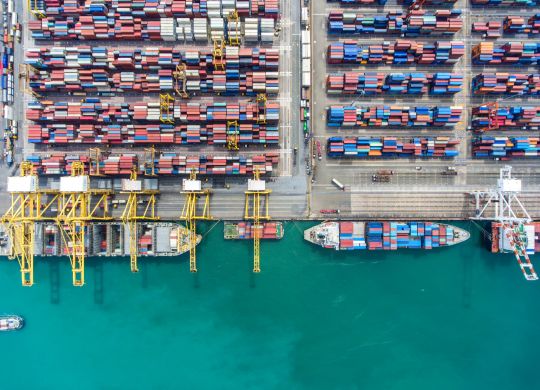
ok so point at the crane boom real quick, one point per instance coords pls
(29, 205)
(130, 216)
(78, 206)
(256, 195)
(192, 188)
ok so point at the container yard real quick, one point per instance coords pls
(422, 90)
(262, 111)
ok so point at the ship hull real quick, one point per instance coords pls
(387, 235)
(10, 323)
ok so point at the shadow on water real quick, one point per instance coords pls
(54, 271)
(99, 296)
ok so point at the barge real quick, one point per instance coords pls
(245, 230)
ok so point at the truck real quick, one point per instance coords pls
(380, 178)
(338, 184)
(319, 150)
(385, 172)
(329, 211)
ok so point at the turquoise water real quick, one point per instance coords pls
(456, 318)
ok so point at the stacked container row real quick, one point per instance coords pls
(506, 3)
(372, 83)
(352, 235)
(107, 82)
(383, 116)
(527, 118)
(400, 52)
(160, 8)
(413, 235)
(412, 23)
(174, 164)
(95, 111)
(156, 58)
(166, 164)
(199, 29)
(506, 83)
(362, 147)
(511, 53)
(117, 134)
(506, 147)
(383, 2)
(510, 25)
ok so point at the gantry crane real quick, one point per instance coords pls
(493, 108)
(95, 158)
(257, 200)
(130, 216)
(34, 7)
(150, 161)
(261, 104)
(233, 135)
(29, 204)
(192, 188)
(180, 77)
(234, 18)
(510, 217)
(493, 124)
(416, 4)
(166, 108)
(217, 54)
(78, 206)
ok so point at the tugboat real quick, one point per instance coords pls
(10, 322)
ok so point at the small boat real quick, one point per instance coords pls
(11, 322)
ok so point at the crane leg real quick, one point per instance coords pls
(133, 250)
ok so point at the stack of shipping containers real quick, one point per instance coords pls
(505, 85)
(82, 86)
(398, 66)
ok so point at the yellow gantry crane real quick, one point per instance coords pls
(95, 156)
(192, 188)
(217, 54)
(130, 216)
(256, 209)
(233, 135)
(29, 204)
(150, 161)
(33, 6)
(166, 108)
(261, 104)
(179, 75)
(79, 205)
(233, 17)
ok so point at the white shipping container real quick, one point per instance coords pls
(306, 79)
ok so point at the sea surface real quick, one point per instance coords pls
(451, 318)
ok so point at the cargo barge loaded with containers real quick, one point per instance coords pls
(348, 235)
(246, 230)
(112, 239)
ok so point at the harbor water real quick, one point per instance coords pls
(449, 318)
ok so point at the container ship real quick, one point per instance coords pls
(384, 235)
(244, 231)
(112, 239)
(530, 235)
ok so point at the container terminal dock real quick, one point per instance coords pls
(127, 122)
